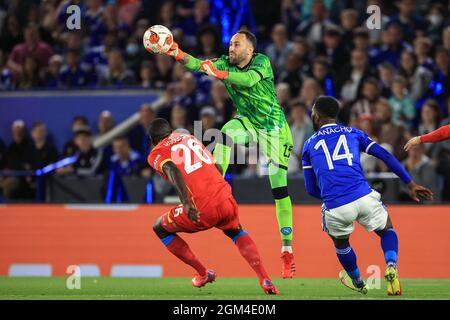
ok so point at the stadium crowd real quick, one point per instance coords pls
(393, 83)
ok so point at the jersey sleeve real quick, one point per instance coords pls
(306, 161)
(262, 66)
(157, 158)
(365, 142)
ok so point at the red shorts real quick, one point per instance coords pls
(223, 216)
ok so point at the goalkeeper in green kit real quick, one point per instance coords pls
(249, 80)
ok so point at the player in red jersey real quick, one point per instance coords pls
(206, 201)
(440, 134)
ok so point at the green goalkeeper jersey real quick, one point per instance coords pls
(251, 89)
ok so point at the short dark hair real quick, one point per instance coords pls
(37, 124)
(158, 129)
(250, 37)
(327, 106)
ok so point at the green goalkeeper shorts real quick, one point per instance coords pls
(275, 144)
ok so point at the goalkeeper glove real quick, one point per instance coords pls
(209, 69)
(175, 52)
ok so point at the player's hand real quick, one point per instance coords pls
(208, 68)
(192, 212)
(175, 52)
(411, 143)
(418, 192)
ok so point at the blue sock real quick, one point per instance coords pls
(347, 258)
(389, 243)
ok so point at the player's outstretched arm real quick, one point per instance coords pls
(437, 135)
(175, 176)
(243, 79)
(191, 63)
(416, 191)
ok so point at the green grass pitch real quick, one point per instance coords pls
(222, 289)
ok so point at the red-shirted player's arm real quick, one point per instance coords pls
(175, 176)
(437, 135)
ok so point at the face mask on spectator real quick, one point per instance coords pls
(132, 49)
(436, 19)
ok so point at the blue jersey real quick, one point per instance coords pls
(333, 152)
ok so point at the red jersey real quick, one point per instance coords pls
(204, 182)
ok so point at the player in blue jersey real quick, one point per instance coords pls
(333, 173)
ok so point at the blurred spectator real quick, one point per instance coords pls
(402, 106)
(147, 75)
(90, 161)
(11, 34)
(95, 61)
(32, 47)
(178, 119)
(430, 118)
(370, 96)
(164, 65)
(73, 42)
(313, 28)
(322, 73)
(280, 47)
(283, 95)
(209, 44)
(125, 161)
(353, 76)
(422, 171)
(446, 38)
(117, 74)
(105, 122)
(290, 14)
(93, 21)
(309, 92)
(191, 98)
(221, 102)
(301, 129)
(418, 77)
(30, 75)
(6, 78)
(72, 75)
(392, 45)
(18, 157)
(407, 19)
(70, 148)
(52, 76)
(440, 84)
(42, 151)
(208, 116)
(167, 15)
(292, 73)
(389, 132)
(361, 41)
(386, 75)
(436, 22)
(349, 21)
(422, 47)
(333, 48)
(138, 136)
(192, 24)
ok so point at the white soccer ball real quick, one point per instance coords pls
(157, 39)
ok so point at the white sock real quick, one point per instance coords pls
(286, 249)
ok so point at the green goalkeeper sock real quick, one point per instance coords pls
(283, 204)
(283, 208)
